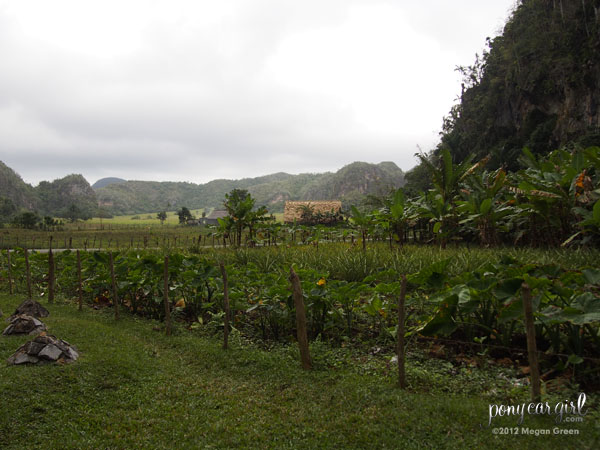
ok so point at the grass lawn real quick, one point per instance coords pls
(133, 387)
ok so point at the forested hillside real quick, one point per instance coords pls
(68, 197)
(73, 197)
(350, 184)
(14, 192)
(536, 85)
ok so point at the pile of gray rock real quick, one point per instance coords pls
(44, 349)
(31, 308)
(24, 324)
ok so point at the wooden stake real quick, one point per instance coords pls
(10, 280)
(166, 297)
(301, 332)
(80, 290)
(28, 272)
(534, 369)
(114, 286)
(400, 336)
(225, 305)
(50, 274)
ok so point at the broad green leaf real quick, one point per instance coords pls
(443, 321)
(508, 288)
(574, 359)
(578, 162)
(512, 311)
(596, 212)
(486, 205)
(440, 324)
(553, 315)
(592, 276)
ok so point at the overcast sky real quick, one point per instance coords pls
(196, 90)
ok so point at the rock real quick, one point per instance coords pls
(44, 338)
(71, 354)
(51, 352)
(44, 349)
(22, 358)
(31, 308)
(35, 347)
(24, 324)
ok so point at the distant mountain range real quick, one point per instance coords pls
(117, 196)
(349, 184)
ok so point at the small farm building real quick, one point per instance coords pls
(293, 210)
(211, 219)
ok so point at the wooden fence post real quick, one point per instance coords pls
(114, 286)
(80, 290)
(50, 273)
(10, 280)
(166, 297)
(534, 369)
(28, 273)
(400, 335)
(301, 332)
(225, 306)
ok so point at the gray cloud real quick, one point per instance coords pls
(194, 91)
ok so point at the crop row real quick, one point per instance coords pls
(477, 306)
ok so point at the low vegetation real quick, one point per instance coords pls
(470, 296)
(135, 387)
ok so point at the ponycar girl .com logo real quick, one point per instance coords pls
(568, 411)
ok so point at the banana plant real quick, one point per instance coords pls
(440, 202)
(447, 178)
(546, 193)
(440, 213)
(393, 216)
(483, 205)
(590, 224)
(364, 222)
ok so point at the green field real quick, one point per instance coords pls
(135, 387)
(150, 218)
(141, 219)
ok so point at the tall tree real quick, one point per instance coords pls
(239, 204)
(184, 215)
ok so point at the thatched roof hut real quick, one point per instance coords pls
(211, 219)
(293, 210)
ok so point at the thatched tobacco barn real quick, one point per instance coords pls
(298, 210)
